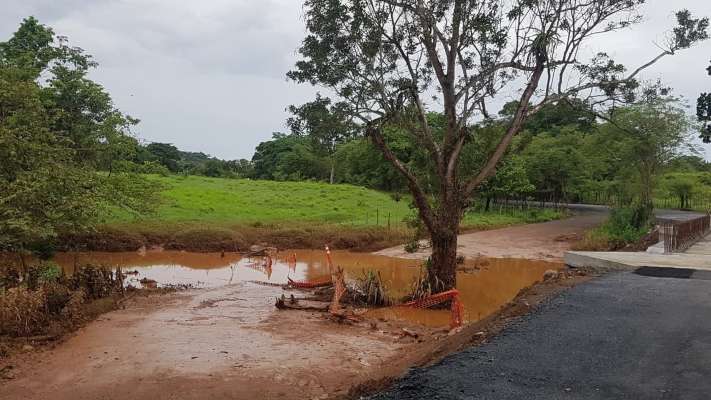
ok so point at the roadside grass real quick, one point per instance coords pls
(216, 214)
(626, 225)
(507, 216)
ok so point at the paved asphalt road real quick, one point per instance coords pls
(660, 215)
(621, 336)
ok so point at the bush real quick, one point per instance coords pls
(414, 222)
(95, 280)
(9, 274)
(43, 271)
(626, 224)
(49, 303)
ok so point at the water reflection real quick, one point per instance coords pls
(483, 291)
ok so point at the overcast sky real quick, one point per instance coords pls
(209, 75)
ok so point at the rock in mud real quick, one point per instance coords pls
(550, 274)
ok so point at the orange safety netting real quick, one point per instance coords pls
(319, 281)
(457, 308)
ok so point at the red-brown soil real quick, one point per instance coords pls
(544, 241)
(231, 343)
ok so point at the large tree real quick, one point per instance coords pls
(65, 150)
(392, 61)
(648, 137)
(326, 125)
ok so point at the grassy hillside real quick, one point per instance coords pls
(214, 214)
(238, 200)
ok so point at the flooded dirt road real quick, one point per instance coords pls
(196, 345)
(227, 340)
(490, 284)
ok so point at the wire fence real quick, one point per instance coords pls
(538, 199)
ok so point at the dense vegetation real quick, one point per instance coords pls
(563, 154)
(70, 162)
(65, 149)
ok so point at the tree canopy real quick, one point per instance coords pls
(391, 62)
(64, 147)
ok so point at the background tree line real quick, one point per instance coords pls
(563, 154)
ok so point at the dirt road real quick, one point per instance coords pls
(230, 342)
(225, 343)
(544, 241)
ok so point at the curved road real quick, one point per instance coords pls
(543, 241)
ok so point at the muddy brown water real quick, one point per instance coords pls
(483, 291)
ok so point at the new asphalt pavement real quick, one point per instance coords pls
(622, 336)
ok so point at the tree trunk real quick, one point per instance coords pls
(333, 172)
(647, 201)
(444, 247)
(488, 204)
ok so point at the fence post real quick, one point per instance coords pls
(377, 217)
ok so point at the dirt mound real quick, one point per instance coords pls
(645, 242)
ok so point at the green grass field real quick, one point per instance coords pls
(238, 200)
(196, 198)
(214, 214)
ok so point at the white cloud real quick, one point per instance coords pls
(209, 75)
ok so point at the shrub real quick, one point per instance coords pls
(43, 271)
(49, 303)
(9, 274)
(95, 280)
(49, 309)
(626, 223)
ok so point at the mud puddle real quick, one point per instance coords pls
(488, 284)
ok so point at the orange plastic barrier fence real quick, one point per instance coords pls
(320, 281)
(269, 283)
(340, 288)
(457, 308)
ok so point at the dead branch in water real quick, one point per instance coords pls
(293, 304)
